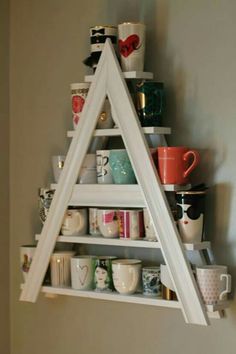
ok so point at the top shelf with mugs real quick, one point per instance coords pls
(129, 75)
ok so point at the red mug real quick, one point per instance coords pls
(174, 164)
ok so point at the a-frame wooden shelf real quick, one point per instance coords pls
(108, 81)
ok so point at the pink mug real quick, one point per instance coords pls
(174, 164)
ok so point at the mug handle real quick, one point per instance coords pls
(227, 285)
(196, 160)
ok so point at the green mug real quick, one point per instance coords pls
(122, 171)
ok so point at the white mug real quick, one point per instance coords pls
(131, 46)
(214, 283)
(87, 174)
(79, 92)
(57, 166)
(126, 275)
(75, 222)
(26, 257)
(108, 223)
(93, 222)
(105, 120)
(131, 224)
(104, 173)
(150, 234)
(82, 272)
(60, 268)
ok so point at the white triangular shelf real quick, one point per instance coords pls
(138, 75)
(109, 82)
(117, 131)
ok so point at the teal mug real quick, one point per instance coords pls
(122, 171)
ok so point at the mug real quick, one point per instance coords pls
(103, 273)
(57, 166)
(122, 171)
(150, 234)
(45, 196)
(214, 283)
(105, 120)
(93, 222)
(104, 174)
(26, 257)
(60, 268)
(126, 275)
(131, 42)
(150, 103)
(82, 272)
(75, 222)
(190, 215)
(79, 92)
(108, 222)
(98, 36)
(87, 174)
(168, 289)
(131, 224)
(151, 279)
(174, 165)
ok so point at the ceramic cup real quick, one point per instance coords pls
(151, 279)
(190, 215)
(168, 289)
(26, 257)
(108, 222)
(104, 173)
(175, 164)
(75, 222)
(150, 234)
(82, 272)
(79, 93)
(131, 224)
(57, 166)
(126, 275)
(122, 171)
(87, 174)
(45, 196)
(60, 268)
(93, 222)
(105, 120)
(214, 283)
(103, 273)
(131, 42)
(150, 103)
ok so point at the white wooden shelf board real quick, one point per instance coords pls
(117, 132)
(112, 195)
(103, 241)
(128, 75)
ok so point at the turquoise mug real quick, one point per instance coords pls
(122, 171)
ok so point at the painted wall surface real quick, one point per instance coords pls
(191, 47)
(4, 177)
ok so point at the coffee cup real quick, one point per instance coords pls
(93, 222)
(151, 281)
(82, 272)
(57, 166)
(214, 283)
(26, 257)
(108, 222)
(60, 268)
(75, 222)
(104, 174)
(190, 215)
(87, 174)
(175, 165)
(131, 224)
(122, 171)
(131, 46)
(126, 275)
(79, 92)
(103, 273)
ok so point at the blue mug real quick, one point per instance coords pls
(122, 171)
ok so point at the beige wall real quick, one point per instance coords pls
(191, 47)
(4, 176)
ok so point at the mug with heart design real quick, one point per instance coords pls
(131, 46)
(82, 272)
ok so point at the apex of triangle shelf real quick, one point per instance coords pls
(138, 75)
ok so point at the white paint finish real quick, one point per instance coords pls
(138, 75)
(117, 132)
